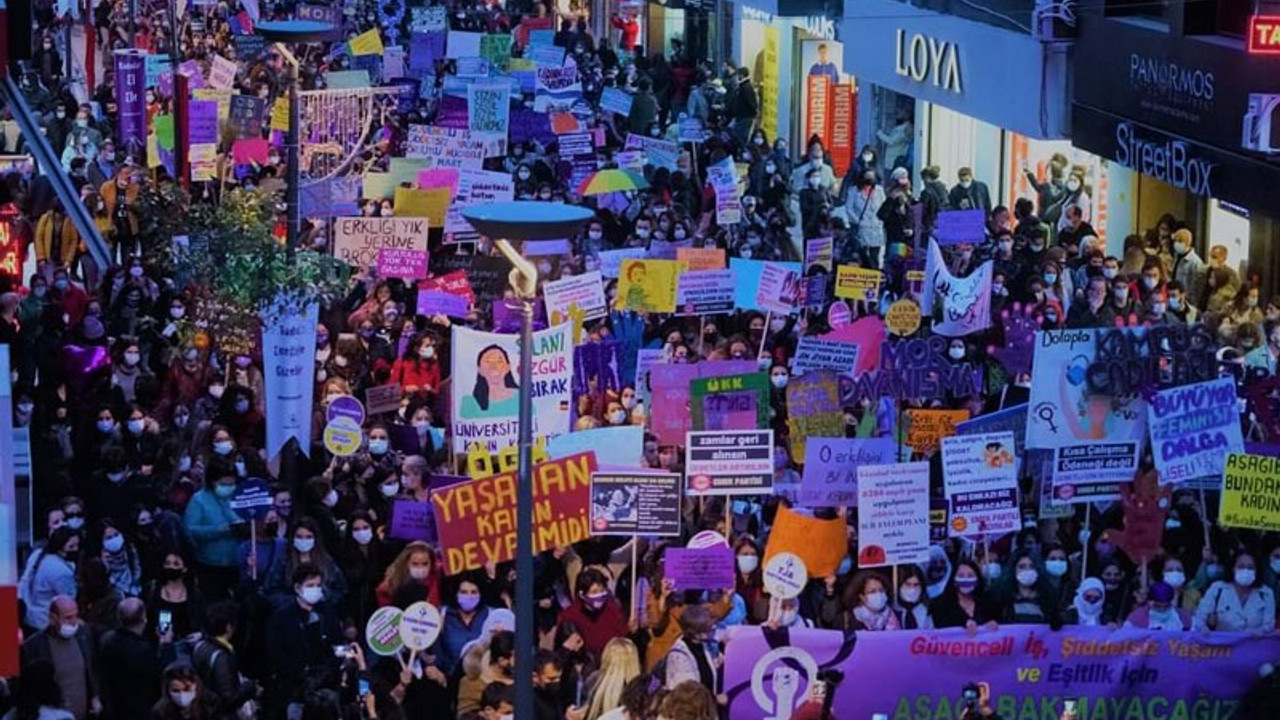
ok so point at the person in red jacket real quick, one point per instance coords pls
(596, 612)
(630, 31)
(419, 369)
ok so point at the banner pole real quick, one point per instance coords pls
(1204, 515)
(1084, 553)
(253, 546)
(764, 334)
(635, 590)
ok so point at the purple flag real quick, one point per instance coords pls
(131, 82)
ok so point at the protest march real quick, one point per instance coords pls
(809, 439)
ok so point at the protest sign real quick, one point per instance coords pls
(855, 283)
(420, 626)
(476, 520)
(329, 15)
(779, 288)
(546, 55)
(1096, 437)
(347, 79)
(357, 241)
(581, 292)
(222, 72)
(412, 520)
(246, 114)
(429, 204)
(342, 437)
(961, 226)
(496, 49)
(382, 632)
(903, 318)
(658, 153)
(893, 514)
(488, 108)
(690, 130)
(383, 398)
(1251, 492)
(908, 368)
(729, 462)
(784, 575)
(1193, 428)
(252, 498)
(202, 121)
(452, 147)
(959, 306)
(255, 150)
(747, 276)
(927, 428)
(344, 406)
(815, 353)
(647, 286)
(557, 88)
(485, 410)
(288, 352)
(635, 504)
(831, 465)
(475, 187)
(616, 101)
(704, 292)
(616, 447)
(366, 43)
(487, 276)
(1133, 673)
(709, 568)
(399, 263)
(819, 253)
(669, 412)
(813, 410)
(697, 259)
(982, 484)
(734, 402)
(819, 544)
(611, 260)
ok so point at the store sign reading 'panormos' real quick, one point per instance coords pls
(928, 60)
(1167, 160)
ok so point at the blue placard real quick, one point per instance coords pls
(252, 499)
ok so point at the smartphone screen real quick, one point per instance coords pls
(1069, 706)
(165, 621)
(364, 687)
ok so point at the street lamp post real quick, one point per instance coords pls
(284, 33)
(525, 221)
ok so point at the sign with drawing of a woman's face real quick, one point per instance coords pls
(486, 368)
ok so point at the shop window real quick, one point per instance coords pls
(1218, 17)
(1139, 8)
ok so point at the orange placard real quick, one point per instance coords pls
(821, 544)
(564, 123)
(696, 259)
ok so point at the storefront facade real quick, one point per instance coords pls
(979, 96)
(1190, 114)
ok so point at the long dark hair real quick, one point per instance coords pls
(481, 391)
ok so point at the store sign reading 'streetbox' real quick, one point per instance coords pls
(928, 60)
(1165, 159)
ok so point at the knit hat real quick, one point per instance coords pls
(1162, 592)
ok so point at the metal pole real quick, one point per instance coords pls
(524, 521)
(295, 170)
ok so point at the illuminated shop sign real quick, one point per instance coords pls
(1264, 35)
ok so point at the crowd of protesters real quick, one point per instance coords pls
(146, 595)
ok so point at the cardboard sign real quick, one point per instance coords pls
(399, 263)
(358, 241)
(903, 318)
(635, 504)
(704, 292)
(982, 484)
(1193, 428)
(647, 286)
(412, 520)
(830, 476)
(1249, 497)
(420, 626)
(893, 507)
(344, 406)
(813, 410)
(616, 101)
(961, 226)
(430, 204)
(382, 632)
(815, 353)
(476, 520)
(779, 288)
(584, 293)
(383, 398)
(342, 437)
(696, 259)
(855, 283)
(735, 402)
(820, 544)
(252, 498)
(709, 568)
(927, 428)
(785, 576)
(729, 462)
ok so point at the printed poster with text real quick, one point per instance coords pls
(1193, 428)
(729, 462)
(893, 514)
(1251, 492)
(486, 397)
(980, 472)
(1096, 438)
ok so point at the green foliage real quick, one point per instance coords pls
(240, 268)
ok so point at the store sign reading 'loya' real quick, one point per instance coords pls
(928, 60)
(1165, 159)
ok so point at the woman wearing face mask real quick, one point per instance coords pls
(1059, 575)
(127, 371)
(362, 564)
(964, 603)
(1087, 607)
(1241, 603)
(174, 591)
(124, 568)
(53, 574)
(911, 605)
(184, 697)
(216, 532)
(187, 379)
(867, 597)
(1030, 601)
(596, 614)
(1122, 594)
(1173, 573)
(239, 413)
(748, 579)
(419, 367)
(463, 623)
(1161, 613)
(304, 545)
(141, 440)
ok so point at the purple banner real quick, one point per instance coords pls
(131, 81)
(1140, 674)
(412, 520)
(506, 317)
(699, 568)
(425, 48)
(202, 121)
(452, 112)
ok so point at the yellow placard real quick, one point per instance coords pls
(367, 43)
(431, 204)
(1251, 492)
(280, 114)
(903, 318)
(204, 161)
(855, 283)
(926, 428)
(648, 286)
(153, 150)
